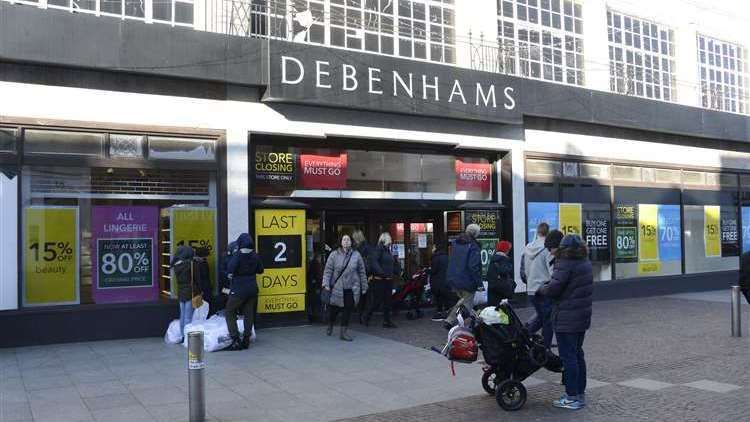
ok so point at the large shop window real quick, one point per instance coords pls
(305, 172)
(712, 241)
(98, 235)
(106, 234)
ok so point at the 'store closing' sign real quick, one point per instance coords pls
(279, 240)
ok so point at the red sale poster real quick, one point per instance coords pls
(475, 177)
(322, 171)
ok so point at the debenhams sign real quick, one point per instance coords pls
(387, 84)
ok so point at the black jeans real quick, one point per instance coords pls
(247, 306)
(442, 298)
(542, 319)
(333, 310)
(746, 292)
(382, 289)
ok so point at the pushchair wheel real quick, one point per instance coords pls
(489, 381)
(510, 395)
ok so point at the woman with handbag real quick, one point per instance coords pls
(182, 267)
(344, 283)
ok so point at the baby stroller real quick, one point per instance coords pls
(409, 295)
(511, 354)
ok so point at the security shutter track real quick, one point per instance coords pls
(132, 183)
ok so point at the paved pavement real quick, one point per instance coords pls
(660, 358)
(663, 358)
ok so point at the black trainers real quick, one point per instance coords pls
(236, 345)
(438, 317)
(388, 324)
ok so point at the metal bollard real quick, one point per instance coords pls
(196, 377)
(736, 312)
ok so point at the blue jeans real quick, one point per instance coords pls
(570, 346)
(186, 314)
(542, 319)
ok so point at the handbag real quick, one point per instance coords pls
(325, 295)
(197, 299)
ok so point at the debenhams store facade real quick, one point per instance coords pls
(100, 183)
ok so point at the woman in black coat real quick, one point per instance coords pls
(571, 289)
(385, 269)
(500, 283)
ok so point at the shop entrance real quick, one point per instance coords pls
(414, 233)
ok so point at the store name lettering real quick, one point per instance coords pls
(403, 84)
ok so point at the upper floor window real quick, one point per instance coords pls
(641, 57)
(723, 75)
(178, 12)
(541, 39)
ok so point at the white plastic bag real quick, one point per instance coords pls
(215, 332)
(201, 313)
(173, 334)
(480, 297)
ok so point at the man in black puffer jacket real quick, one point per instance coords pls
(243, 295)
(571, 289)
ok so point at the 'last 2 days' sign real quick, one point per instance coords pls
(279, 241)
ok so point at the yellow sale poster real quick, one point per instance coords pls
(195, 227)
(570, 219)
(711, 230)
(648, 240)
(281, 244)
(51, 257)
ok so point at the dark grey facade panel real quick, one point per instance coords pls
(59, 38)
(46, 36)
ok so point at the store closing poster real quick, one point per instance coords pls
(275, 167)
(51, 256)
(124, 241)
(475, 177)
(279, 241)
(195, 227)
(323, 171)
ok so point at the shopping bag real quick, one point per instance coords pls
(201, 313)
(173, 334)
(480, 297)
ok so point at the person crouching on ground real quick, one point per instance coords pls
(243, 294)
(571, 288)
(344, 277)
(464, 271)
(500, 283)
(385, 269)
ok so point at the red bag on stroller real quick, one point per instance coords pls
(462, 345)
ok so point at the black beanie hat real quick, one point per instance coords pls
(553, 239)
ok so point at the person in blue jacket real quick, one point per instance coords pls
(243, 292)
(464, 271)
(571, 290)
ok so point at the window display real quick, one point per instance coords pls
(711, 238)
(647, 240)
(589, 220)
(323, 172)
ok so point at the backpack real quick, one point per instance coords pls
(462, 345)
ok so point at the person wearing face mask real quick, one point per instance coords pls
(385, 268)
(344, 277)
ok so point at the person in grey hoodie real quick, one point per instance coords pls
(536, 270)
